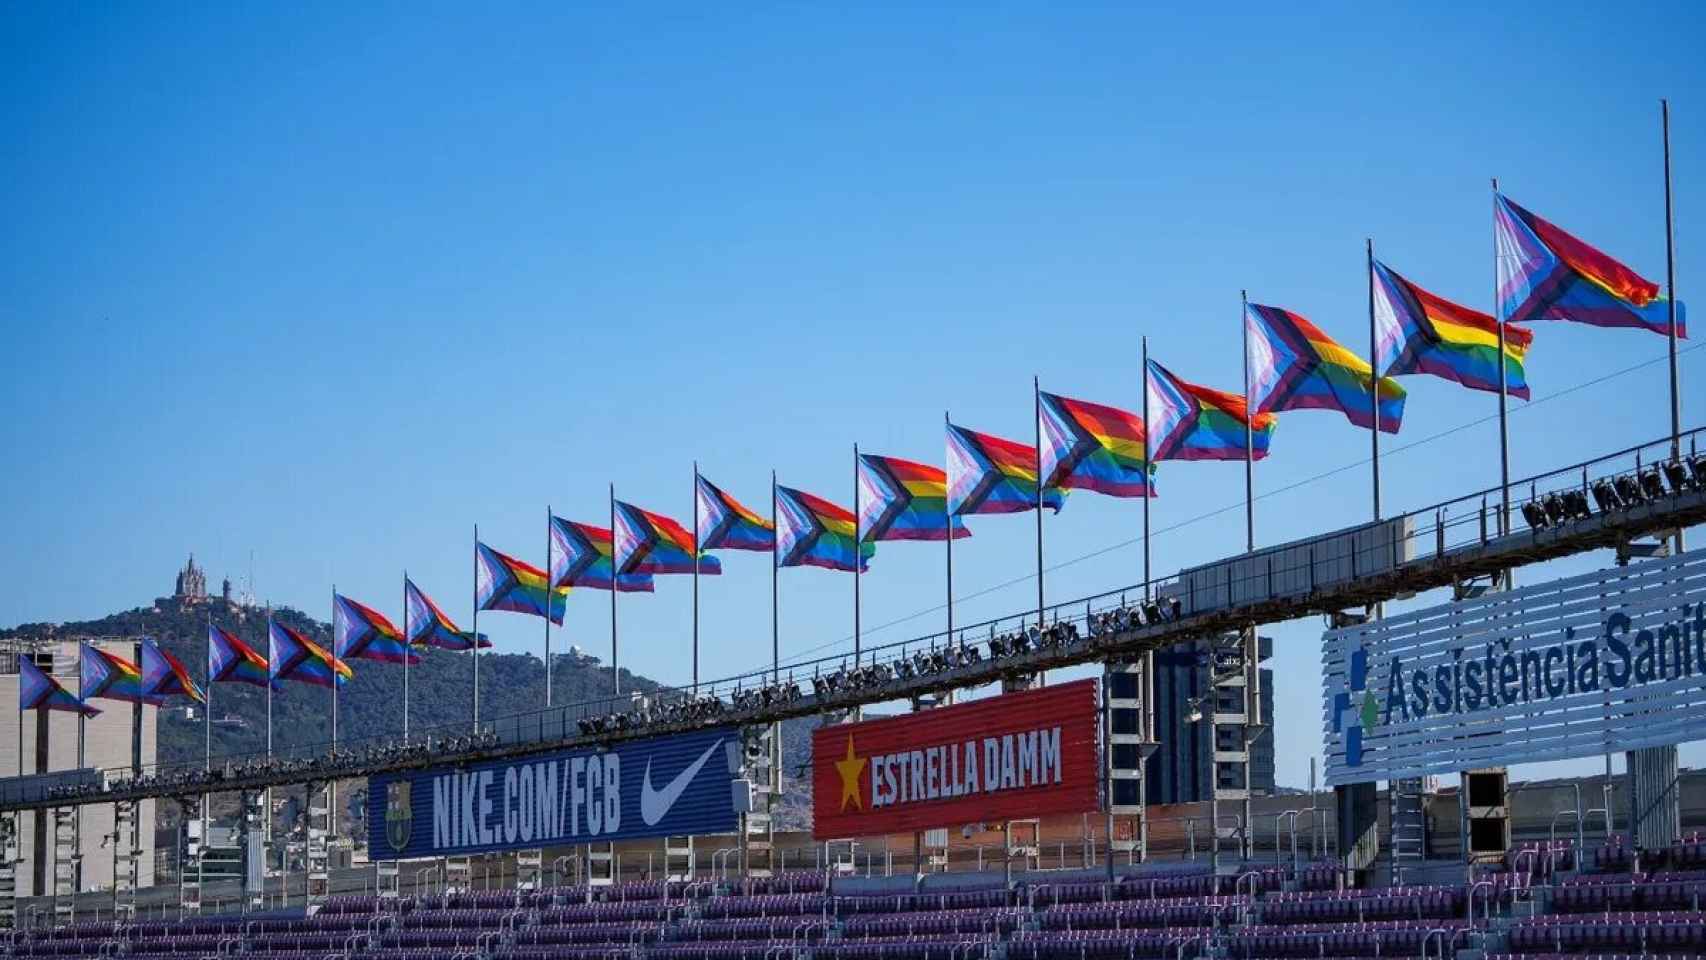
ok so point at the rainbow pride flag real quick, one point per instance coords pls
(1547, 274)
(110, 677)
(164, 676)
(725, 524)
(1420, 332)
(812, 532)
(504, 583)
(581, 557)
(230, 659)
(648, 542)
(1193, 422)
(38, 691)
(295, 657)
(359, 631)
(903, 500)
(1294, 366)
(1089, 446)
(987, 474)
(427, 626)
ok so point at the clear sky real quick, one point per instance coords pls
(328, 284)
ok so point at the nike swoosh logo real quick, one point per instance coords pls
(655, 804)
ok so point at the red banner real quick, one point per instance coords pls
(1001, 758)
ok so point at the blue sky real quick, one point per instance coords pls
(332, 283)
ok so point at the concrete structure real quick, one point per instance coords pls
(107, 744)
(1181, 769)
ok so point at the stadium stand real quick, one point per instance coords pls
(1533, 907)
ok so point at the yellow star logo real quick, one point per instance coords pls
(850, 769)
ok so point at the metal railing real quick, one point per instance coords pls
(1456, 535)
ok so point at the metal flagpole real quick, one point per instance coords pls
(1374, 377)
(1249, 436)
(267, 799)
(334, 670)
(775, 558)
(550, 592)
(476, 627)
(332, 782)
(1670, 305)
(1147, 462)
(408, 648)
(695, 576)
(857, 543)
(615, 571)
(1037, 422)
(270, 657)
(207, 701)
(77, 818)
(950, 515)
(1504, 428)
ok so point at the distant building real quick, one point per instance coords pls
(191, 588)
(1182, 767)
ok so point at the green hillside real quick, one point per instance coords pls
(440, 686)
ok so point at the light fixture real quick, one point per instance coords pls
(1534, 515)
(1677, 474)
(1651, 484)
(1605, 497)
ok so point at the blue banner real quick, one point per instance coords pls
(668, 786)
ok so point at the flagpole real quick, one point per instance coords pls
(334, 669)
(550, 593)
(950, 515)
(857, 544)
(615, 571)
(1147, 462)
(476, 627)
(270, 658)
(1670, 304)
(408, 648)
(775, 558)
(1374, 377)
(695, 575)
(1504, 429)
(77, 821)
(1249, 436)
(1037, 422)
(207, 701)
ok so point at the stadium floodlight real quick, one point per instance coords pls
(1677, 474)
(1534, 515)
(1651, 484)
(1698, 466)
(1151, 612)
(1556, 512)
(1605, 497)
(1627, 490)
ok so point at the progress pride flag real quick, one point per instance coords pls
(1001, 758)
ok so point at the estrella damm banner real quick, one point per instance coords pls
(1000, 758)
(667, 786)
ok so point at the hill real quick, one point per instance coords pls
(440, 689)
(440, 686)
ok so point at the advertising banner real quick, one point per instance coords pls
(669, 786)
(1001, 758)
(1599, 663)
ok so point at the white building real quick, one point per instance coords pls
(106, 744)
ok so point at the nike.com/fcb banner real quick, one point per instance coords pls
(1017, 755)
(1594, 664)
(669, 786)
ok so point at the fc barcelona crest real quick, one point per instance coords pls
(399, 817)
